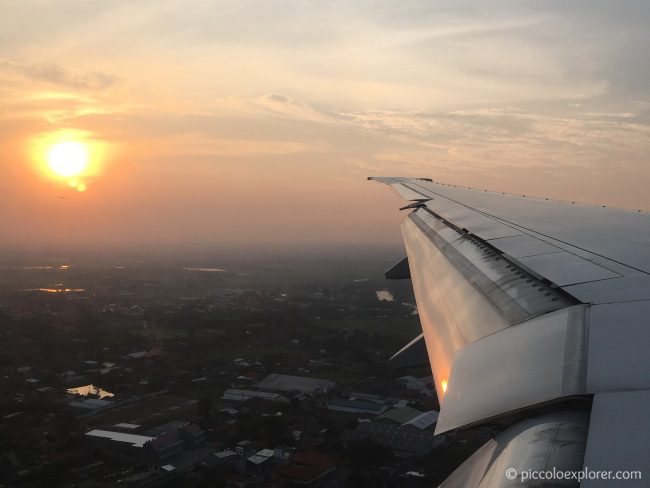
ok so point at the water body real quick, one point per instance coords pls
(55, 290)
(413, 306)
(385, 295)
(90, 390)
(207, 270)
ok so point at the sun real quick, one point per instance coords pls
(67, 159)
(70, 157)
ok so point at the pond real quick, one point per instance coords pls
(90, 390)
(384, 295)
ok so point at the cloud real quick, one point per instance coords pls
(58, 75)
(547, 99)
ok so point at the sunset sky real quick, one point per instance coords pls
(226, 122)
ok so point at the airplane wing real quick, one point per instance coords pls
(536, 317)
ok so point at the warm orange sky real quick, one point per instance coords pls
(258, 122)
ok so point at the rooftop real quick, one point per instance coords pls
(355, 405)
(224, 454)
(164, 440)
(285, 382)
(171, 426)
(243, 395)
(126, 426)
(261, 456)
(134, 440)
(91, 404)
(192, 429)
(424, 420)
(398, 437)
(306, 466)
(400, 415)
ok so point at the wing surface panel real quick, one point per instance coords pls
(566, 243)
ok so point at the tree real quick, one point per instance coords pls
(205, 407)
(366, 453)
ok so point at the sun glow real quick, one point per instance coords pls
(68, 159)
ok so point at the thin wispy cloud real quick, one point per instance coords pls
(57, 75)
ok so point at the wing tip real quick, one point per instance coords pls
(397, 179)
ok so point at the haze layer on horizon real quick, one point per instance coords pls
(257, 122)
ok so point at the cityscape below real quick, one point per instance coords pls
(253, 370)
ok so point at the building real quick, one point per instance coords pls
(244, 448)
(163, 447)
(404, 440)
(126, 427)
(137, 355)
(92, 404)
(120, 443)
(282, 454)
(356, 405)
(237, 395)
(71, 377)
(305, 468)
(261, 459)
(303, 384)
(171, 426)
(144, 448)
(422, 385)
(425, 420)
(192, 435)
(400, 415)
(224, 457)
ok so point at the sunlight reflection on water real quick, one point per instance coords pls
(90, 390)
(384, 295)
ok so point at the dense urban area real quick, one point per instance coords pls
(234, 370)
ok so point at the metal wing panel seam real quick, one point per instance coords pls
(537, 233)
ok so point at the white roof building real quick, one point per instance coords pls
(261, 456)
(137, 355)
(225, 454)
(132, 439)
(424, 420)
(126, 426)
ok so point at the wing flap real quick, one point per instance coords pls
(564, 268)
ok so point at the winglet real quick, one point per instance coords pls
(412, 355)
(399, 271)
